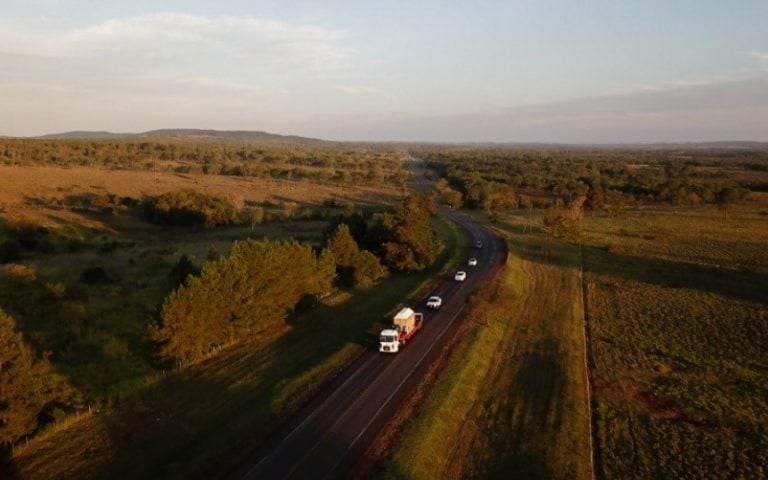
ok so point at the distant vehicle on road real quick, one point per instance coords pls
(460, 276)
(472, 262)
(434, 302)
(478, 244)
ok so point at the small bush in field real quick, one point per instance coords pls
(190, 208)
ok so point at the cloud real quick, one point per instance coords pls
(365, 90)
(178, 37)
(682, 97)
(700, 111)
(760, 56)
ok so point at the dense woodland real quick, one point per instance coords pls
(502, 178)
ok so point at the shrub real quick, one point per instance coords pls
(355, 267)
(183, 268)
(190, 208)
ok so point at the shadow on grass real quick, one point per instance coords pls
(739, 284)
(195, 423)
(532, 397)
(7, 469)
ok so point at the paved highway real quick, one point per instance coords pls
(330, 434)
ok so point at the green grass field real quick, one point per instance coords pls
(512, 401)
(678, 304)
(192, 423)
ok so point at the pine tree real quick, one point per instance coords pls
(239, 296)
(22, 391)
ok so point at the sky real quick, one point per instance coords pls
(592, 71)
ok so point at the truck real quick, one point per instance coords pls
(404, 326)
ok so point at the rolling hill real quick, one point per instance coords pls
(249, 136)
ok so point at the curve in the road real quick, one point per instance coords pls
(336, 428)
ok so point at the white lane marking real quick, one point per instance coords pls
(310, 416)
(468, 225)
(386, 402)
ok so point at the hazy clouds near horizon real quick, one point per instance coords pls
(491, 71)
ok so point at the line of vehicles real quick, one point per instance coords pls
(407, 322)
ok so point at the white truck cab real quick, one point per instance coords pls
(404, 326)
(389, 341)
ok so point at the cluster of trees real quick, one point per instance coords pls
(190, 208)
(320, 163)
(239, 296)
(403, 238)
(354, 266)
(450, 196)
(22, 234)
(497, 178)
(256, 287)
(562, 222)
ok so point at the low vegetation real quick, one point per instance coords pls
(677, 303)
(189, 208)
(675, 292)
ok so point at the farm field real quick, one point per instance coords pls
(678, 315)
(513, 399)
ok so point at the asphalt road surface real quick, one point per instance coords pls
(327, 436)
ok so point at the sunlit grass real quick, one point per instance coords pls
(678, 317)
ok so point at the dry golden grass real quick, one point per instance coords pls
(28, 189)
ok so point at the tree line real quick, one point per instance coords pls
(503, 178)
(320, 164)
(256, 287)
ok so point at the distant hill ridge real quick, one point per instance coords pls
(258, 136)
(187, 133)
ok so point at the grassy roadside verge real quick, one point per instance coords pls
(188, 424)
(512, 398)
